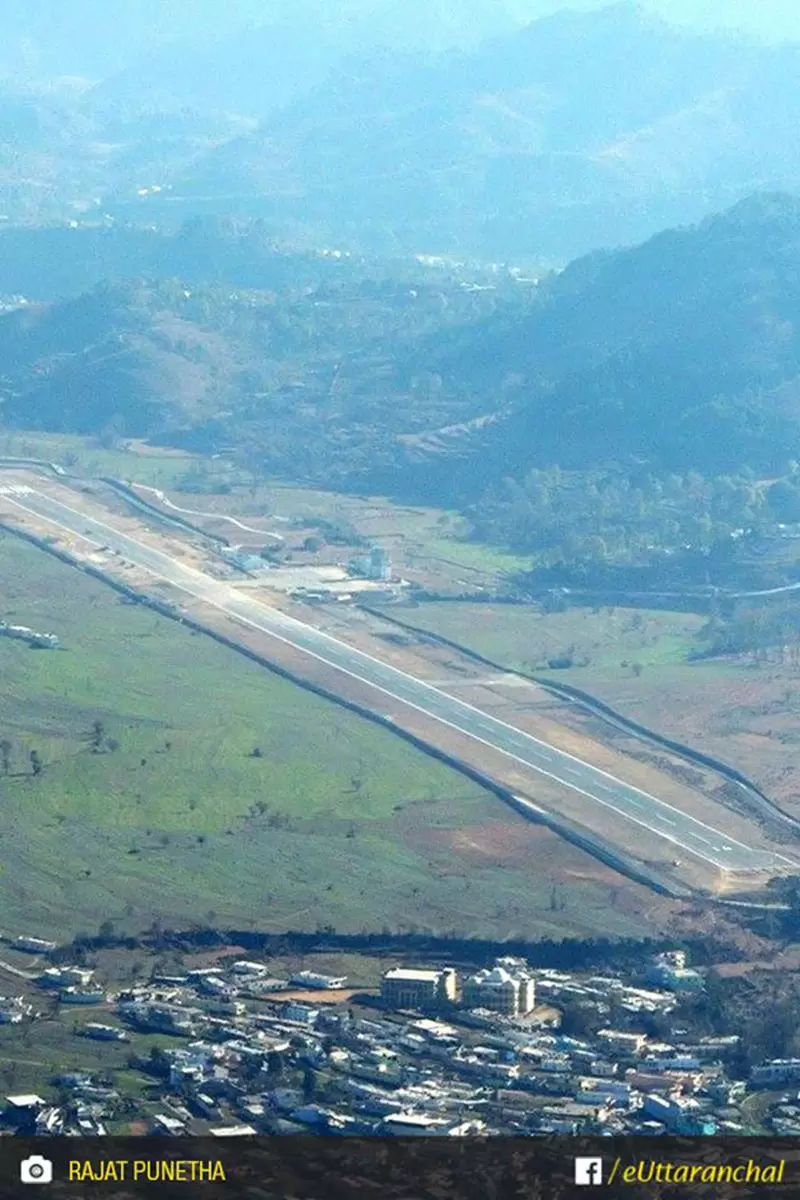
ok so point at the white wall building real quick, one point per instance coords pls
(407, 987)
(777, 1071)
(500, 990)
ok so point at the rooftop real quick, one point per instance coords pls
(412, 975)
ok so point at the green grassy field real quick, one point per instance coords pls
(476, 556)
(85, 456)
(523, 638)
(336, 821)
(31, 1056)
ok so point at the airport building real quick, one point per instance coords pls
(376, 566)
(405, 987)
(511, 992)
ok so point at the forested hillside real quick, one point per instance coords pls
(640, 400)
(681, 353)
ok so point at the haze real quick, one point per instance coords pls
(45, 38)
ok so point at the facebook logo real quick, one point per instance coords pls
(589, 1171)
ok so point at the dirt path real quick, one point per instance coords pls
(211, 516)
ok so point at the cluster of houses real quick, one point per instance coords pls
(437, 1052)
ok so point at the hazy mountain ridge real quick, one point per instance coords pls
(528, 146)
(45, 39)
(59, 154)
(678, 354)
(300, 354)
(113, 358)
(537, 144)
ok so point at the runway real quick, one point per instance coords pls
(684, 832)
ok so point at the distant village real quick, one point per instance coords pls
(432, 1052)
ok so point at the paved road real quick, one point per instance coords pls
(686, 833)
(214, 516)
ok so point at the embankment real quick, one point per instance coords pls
(758, 801)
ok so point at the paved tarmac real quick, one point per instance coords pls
(684, 832)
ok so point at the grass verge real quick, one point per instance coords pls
(175, 817)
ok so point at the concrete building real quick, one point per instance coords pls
(33, 945)
(413, 1125)
(243, 560)
(669, 970)
(380, 564)
(622, 1041)
(167, 1126)
(302, 1013)
(776, 1072)
(74, 995)
(500, 990)
(405, 987)
(313, 979)
(59, 977)
(377, 565)
(103, 1033)
(24, 1103)
(41, 641)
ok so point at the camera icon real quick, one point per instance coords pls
(36, 1169)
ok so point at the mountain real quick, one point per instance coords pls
(121, 358)
(59, 154)
(286, 354)
(396, 126)
(633, 419)
(44, 40)
(258, 69)
(581, 129)
(58, 261)
(682, 353)
(177, 48)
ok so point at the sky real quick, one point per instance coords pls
(771, 20)
(95, 38)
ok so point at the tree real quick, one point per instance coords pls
(112, 432)
(5, 755)
(36, 762)
(96, 736)
(274, 1064)
(579, 1020)
(783, 499)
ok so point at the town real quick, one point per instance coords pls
(434, 1051)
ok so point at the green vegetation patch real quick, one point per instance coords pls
(98, 456)
(478, 556)
(174, 780)
(599, 642)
